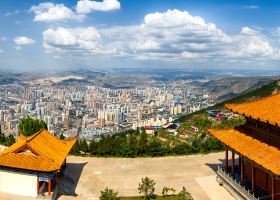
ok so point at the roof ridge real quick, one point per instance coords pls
(254, 100)
(31, 137)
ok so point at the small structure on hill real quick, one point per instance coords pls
(32, 161)
(194, 128)
(257, 144)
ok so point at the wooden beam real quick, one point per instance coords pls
(239, 162)
(226, 160)
(273, 188)
(253, 177)
(242, 171)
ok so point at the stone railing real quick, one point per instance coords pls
(236, 187)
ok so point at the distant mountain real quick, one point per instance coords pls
(246, 96)
(230, 87)
(72, 81)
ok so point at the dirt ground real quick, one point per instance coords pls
(195, 172)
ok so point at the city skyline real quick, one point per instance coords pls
(61, 35)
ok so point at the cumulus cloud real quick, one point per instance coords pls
(73, 40)
(49, 12)
(88, 6)
(173, 35)
(248, 31)
(23, 40)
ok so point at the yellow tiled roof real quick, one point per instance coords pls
(266, 109)
(261, 148)
(39, 152)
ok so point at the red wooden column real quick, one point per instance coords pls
(226, 160)
(253, 177)
(232, 164)
(38, 185)
(273, 188)
(242, 170)
(49, 186)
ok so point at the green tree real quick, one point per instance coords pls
(147, 187)
(156, 148)
(9, 140)
(196, 145)
(182, 149)
(76, 148)
(28, 126)
(132, 144)
(166, 191)
(184, 195)
(83, 146)
(142, 143)
(61, 136)
(211, 145)
(109, 194)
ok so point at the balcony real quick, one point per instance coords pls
(233, 185)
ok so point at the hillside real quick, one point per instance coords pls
(263, 91)
(229, 87)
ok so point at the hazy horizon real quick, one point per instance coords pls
(60, 35)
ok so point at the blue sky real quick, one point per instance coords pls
(205, 34)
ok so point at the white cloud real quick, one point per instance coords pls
(253, 45)
(23, 40)
(250, 7)
(88, 6)
(1, 51)
(173, 18)
(276, 31)
(73, 40)
(15, 12)
(173, 35)
(248, 31)
(49, 12)
(186, 54)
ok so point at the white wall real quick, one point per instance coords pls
(18, 183)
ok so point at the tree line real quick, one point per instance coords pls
(139, 144)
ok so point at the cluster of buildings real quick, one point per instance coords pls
(90, 110)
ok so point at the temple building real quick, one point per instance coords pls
(32, 164)
(253, 170)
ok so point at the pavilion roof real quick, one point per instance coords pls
(260, 147)
(40, 152)
(265, 109)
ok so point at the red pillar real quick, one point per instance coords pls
(242, 170)
(49, 187)
(38, 185)
(232, 164)
(273, 188)
(226, 161)
(253, 177)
